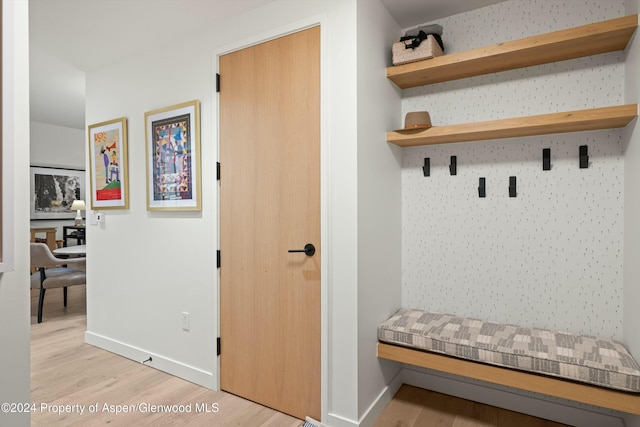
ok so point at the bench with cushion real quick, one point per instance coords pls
(575, 367)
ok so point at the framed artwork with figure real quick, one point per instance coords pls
(108, 170)
(173, 157)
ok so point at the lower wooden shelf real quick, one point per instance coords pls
(571, 121)
(577, 392)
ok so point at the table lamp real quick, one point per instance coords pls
(78, 205)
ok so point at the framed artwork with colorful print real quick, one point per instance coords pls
(108, 168)
(173, 157)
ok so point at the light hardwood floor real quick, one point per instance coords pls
(415, 407)
(66, 371)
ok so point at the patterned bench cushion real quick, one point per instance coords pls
(580, 358)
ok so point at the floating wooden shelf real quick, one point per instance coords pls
(570, 121)
(592, 39)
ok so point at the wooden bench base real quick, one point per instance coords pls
(583, 393)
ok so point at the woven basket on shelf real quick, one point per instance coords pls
(428, 49)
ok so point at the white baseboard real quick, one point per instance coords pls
(170, 366)
(532, 404)
(375, 409)
(335, 420)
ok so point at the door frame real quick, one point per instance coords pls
(272, 34)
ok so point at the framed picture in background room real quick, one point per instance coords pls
(108, 170)
(173, 157)
(53, 191)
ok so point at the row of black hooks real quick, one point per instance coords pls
(482, 184)
(546, 161)
(482, 187)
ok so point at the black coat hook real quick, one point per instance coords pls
(482, 189)
(426, 169)
(512, 186)
(584, 157)
(546, 159)
(453, 166)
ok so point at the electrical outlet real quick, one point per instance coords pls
(185, 321)
(99, 217)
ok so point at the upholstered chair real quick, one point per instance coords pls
(54, 272)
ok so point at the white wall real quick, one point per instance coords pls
(58, 147)
(14, 289)
(340, 201)
(379, 203)
(632, 195)
(631, 333)
(165, 262)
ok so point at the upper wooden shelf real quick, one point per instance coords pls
(592, 39)
(570, 121)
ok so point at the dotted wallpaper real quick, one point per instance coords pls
(552, 256)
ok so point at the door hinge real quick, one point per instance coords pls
(218, 345)
(218, 259)
(217, 82)
(218, 171)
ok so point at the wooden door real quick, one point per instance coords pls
(270, 204)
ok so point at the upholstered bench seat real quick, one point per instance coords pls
(585, 359)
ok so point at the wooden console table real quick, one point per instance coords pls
(50, 233)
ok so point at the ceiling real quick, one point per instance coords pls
(71, 37)
(408, 13)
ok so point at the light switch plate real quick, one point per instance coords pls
(93, 218)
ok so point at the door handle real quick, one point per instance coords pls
(309, 249)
